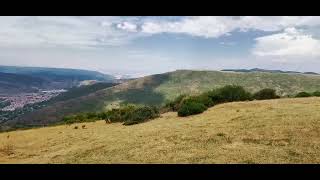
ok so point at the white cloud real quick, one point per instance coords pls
(127, 26)
(291, 44)
(196, 26)
(63, 31)
(216, 26)
(106, 31)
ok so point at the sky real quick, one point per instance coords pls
(144, 45)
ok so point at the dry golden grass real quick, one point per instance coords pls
(273, 131)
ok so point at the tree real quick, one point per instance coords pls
(266, 94)
(316, 93)
(232, 93)
(191, 107)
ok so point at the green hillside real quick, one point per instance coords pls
(157, 89)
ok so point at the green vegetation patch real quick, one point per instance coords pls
(190, 105)
(266, 94)
(126, 114)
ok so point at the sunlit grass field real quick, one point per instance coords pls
(270, 131)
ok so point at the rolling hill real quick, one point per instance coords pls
(157, 89)
(270, 131)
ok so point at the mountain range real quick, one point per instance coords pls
(266, 70)
(14, 79)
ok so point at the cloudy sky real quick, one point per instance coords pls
(140, 46)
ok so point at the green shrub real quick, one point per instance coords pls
(232, 93)
(203, 99)
(176, 103)
(215, 96)
(141, 114)
(190, 107)
(316, 93)
(129, 114)
(113, 115)
(266, 94)
(303, 94)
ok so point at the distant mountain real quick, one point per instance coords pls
(57, 73)
(159, 88)
(313, 73)
(269, 71)
(48, 78)
(18, 83)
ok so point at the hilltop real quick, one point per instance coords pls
(270, 131)
(159, 88)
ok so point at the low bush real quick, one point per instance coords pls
(232, 93)
(191, 107)
(202, 99)
(303, 94)
(265, 94)
(316, 93)
(129, 114)
(215, 96)
(176, 103)
(141, 114)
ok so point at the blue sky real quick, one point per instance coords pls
(139, 46)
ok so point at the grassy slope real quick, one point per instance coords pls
(156, 89)
(273, 131)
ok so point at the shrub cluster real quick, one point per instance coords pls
(306, 94)
(303, 94)
(316, 93)
(190, 105)
(176, 103)
(140, 114)
(128, 115)
(265, 94)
